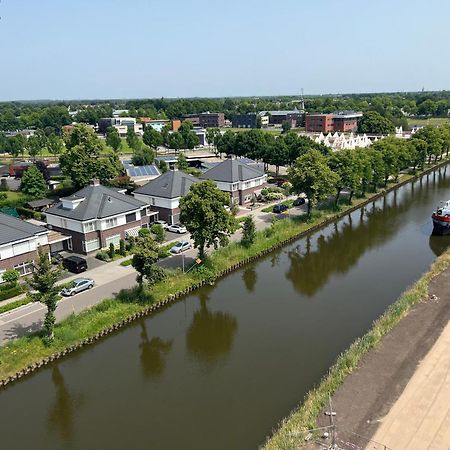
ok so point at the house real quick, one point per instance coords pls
(241, 180)
(97, 216)
(19, 244)
(163, 194)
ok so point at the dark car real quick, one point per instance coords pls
(278, 209)
(74, 264)
(299, 201)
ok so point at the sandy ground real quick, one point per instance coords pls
(400, 394)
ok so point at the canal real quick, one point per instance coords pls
(220, 368)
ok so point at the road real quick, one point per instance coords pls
(110, 278)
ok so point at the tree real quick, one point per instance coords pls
(43, 281)
(55, 144)
(33, 183)
(112, 250)
(16, 145)
(144, 261)
(133, 140)
(277, 154)
(286, 126)
(83, 161)
(374, 123)
(311, 175)
(205, 217)
(152, 138)
(176, 141)
(191, 140)
(226, 143)
(122, 250)
(346, 165)
(162, 166)
(182, 163)
(211, 136)
(248, 232)
(113, 138)
(42, 167)
(143, 157)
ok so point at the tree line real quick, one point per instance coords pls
(321, 175)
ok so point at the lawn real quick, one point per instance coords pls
(431, 121)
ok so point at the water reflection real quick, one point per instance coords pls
(210, 335)
(250, 277)
(312, 263)
(439, 244)
(153, 353)
(61, 412)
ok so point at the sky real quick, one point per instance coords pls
(95, 49)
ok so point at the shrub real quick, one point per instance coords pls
(112, 250)
(103, 255)
(11, 276)
(158, 231)
(122, 250)
(163, 252)
(3, 195)
(234, 209)
(131, 241)
(143, 232)
(4, 185)
(11, 292)
(248, 232)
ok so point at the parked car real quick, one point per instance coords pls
(278, 209)
(180, 247)
(177, 228)
(78, 285)
(279, 181)
(56, 258)
(299, 201)
(75, 264)
(163, 223)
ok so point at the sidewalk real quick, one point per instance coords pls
(420, 418)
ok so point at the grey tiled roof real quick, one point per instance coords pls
(172, 184)
(99, 202)
(232, 171)
(13, 229)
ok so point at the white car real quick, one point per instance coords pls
(177, 228)
(163, 223)
(78, 285)
(180, 247)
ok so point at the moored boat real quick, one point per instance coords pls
(441, 219)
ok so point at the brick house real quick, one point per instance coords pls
(19, 244)
(241, 180)
(97, 216)
(163, 194)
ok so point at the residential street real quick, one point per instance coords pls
(110, 278)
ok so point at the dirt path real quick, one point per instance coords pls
(420, 418)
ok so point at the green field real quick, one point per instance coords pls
(431, 121)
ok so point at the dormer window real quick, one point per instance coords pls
(71, 203)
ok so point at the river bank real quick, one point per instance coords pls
(372, 373)
(27, 354)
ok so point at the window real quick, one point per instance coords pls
(89, 246)
(130, 217)
(89, 226)
(24, 268)
(110, 223)
(115, 240)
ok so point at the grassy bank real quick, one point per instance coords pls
(305, 416)
(26, 351)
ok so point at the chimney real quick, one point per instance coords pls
(95, 182)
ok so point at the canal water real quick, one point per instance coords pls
(219, 369)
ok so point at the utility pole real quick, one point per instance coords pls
(331, 414)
